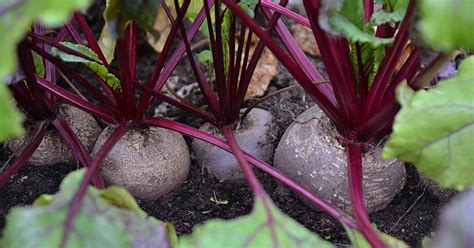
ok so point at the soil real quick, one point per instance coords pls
(411, 216)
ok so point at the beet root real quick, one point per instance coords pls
(52, 148)
(149, 163)
(252, 137)
(309, 153)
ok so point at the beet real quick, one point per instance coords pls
(52, 148)
(252, 136)
(309, 153)
(149, 162)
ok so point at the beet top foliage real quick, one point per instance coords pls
(361, 43)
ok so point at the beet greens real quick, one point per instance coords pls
(361, 43)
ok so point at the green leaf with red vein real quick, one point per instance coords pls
(107, 218)
(96, 66)
(254, 230)
(435, 129)
(346, 17)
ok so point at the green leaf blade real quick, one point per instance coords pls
(205, 57)
(121, 198)
(11, 119)
(447, 24)
(392, 16)
(39, 66)
(347, 28)
(254, 230)
(346, 18)
(95, 65)
(435, 129)
(97, 224)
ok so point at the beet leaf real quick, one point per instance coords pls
(434, 129)
(348, 20)
(107, 218)
(254, 230)
(96, 66)
(11, 121)
(447, 24)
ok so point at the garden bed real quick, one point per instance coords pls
(410, 217)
